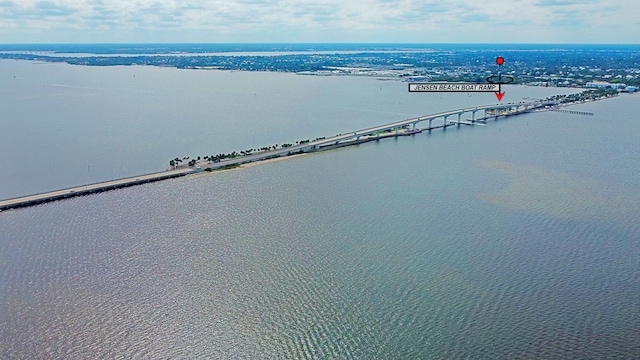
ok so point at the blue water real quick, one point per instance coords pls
(64, 125)
(518, 240)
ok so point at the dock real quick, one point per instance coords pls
(587, 113)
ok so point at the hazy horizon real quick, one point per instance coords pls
(320, 43)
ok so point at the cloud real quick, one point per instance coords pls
(49, 8)
(318, 20)
(556, 2)
(563, 2)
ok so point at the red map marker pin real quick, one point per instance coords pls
(499, 61)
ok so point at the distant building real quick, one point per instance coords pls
(606, 85)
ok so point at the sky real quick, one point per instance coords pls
(328, 21)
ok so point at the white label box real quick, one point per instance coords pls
(453, 87)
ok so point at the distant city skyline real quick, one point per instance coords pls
(282, 21)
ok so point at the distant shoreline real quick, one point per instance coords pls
(549, 65)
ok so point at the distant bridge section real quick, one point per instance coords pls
(488, 111)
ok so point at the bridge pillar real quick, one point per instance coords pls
(396, 131)
(430, 120)
(459, 115)
(414, 125)
(446, 118)
(473, 115)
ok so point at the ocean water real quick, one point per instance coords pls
(64, 125)
(518, 240)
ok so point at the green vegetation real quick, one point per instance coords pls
(588, 95)
(230, 166)
(177, 161)
(174, 163)
(225, 167)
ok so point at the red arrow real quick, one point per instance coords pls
(499, 96)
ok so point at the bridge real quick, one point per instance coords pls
(442, 120)
(488, 111)
(90, 189)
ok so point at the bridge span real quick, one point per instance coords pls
(441, 119)
(489, 111)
